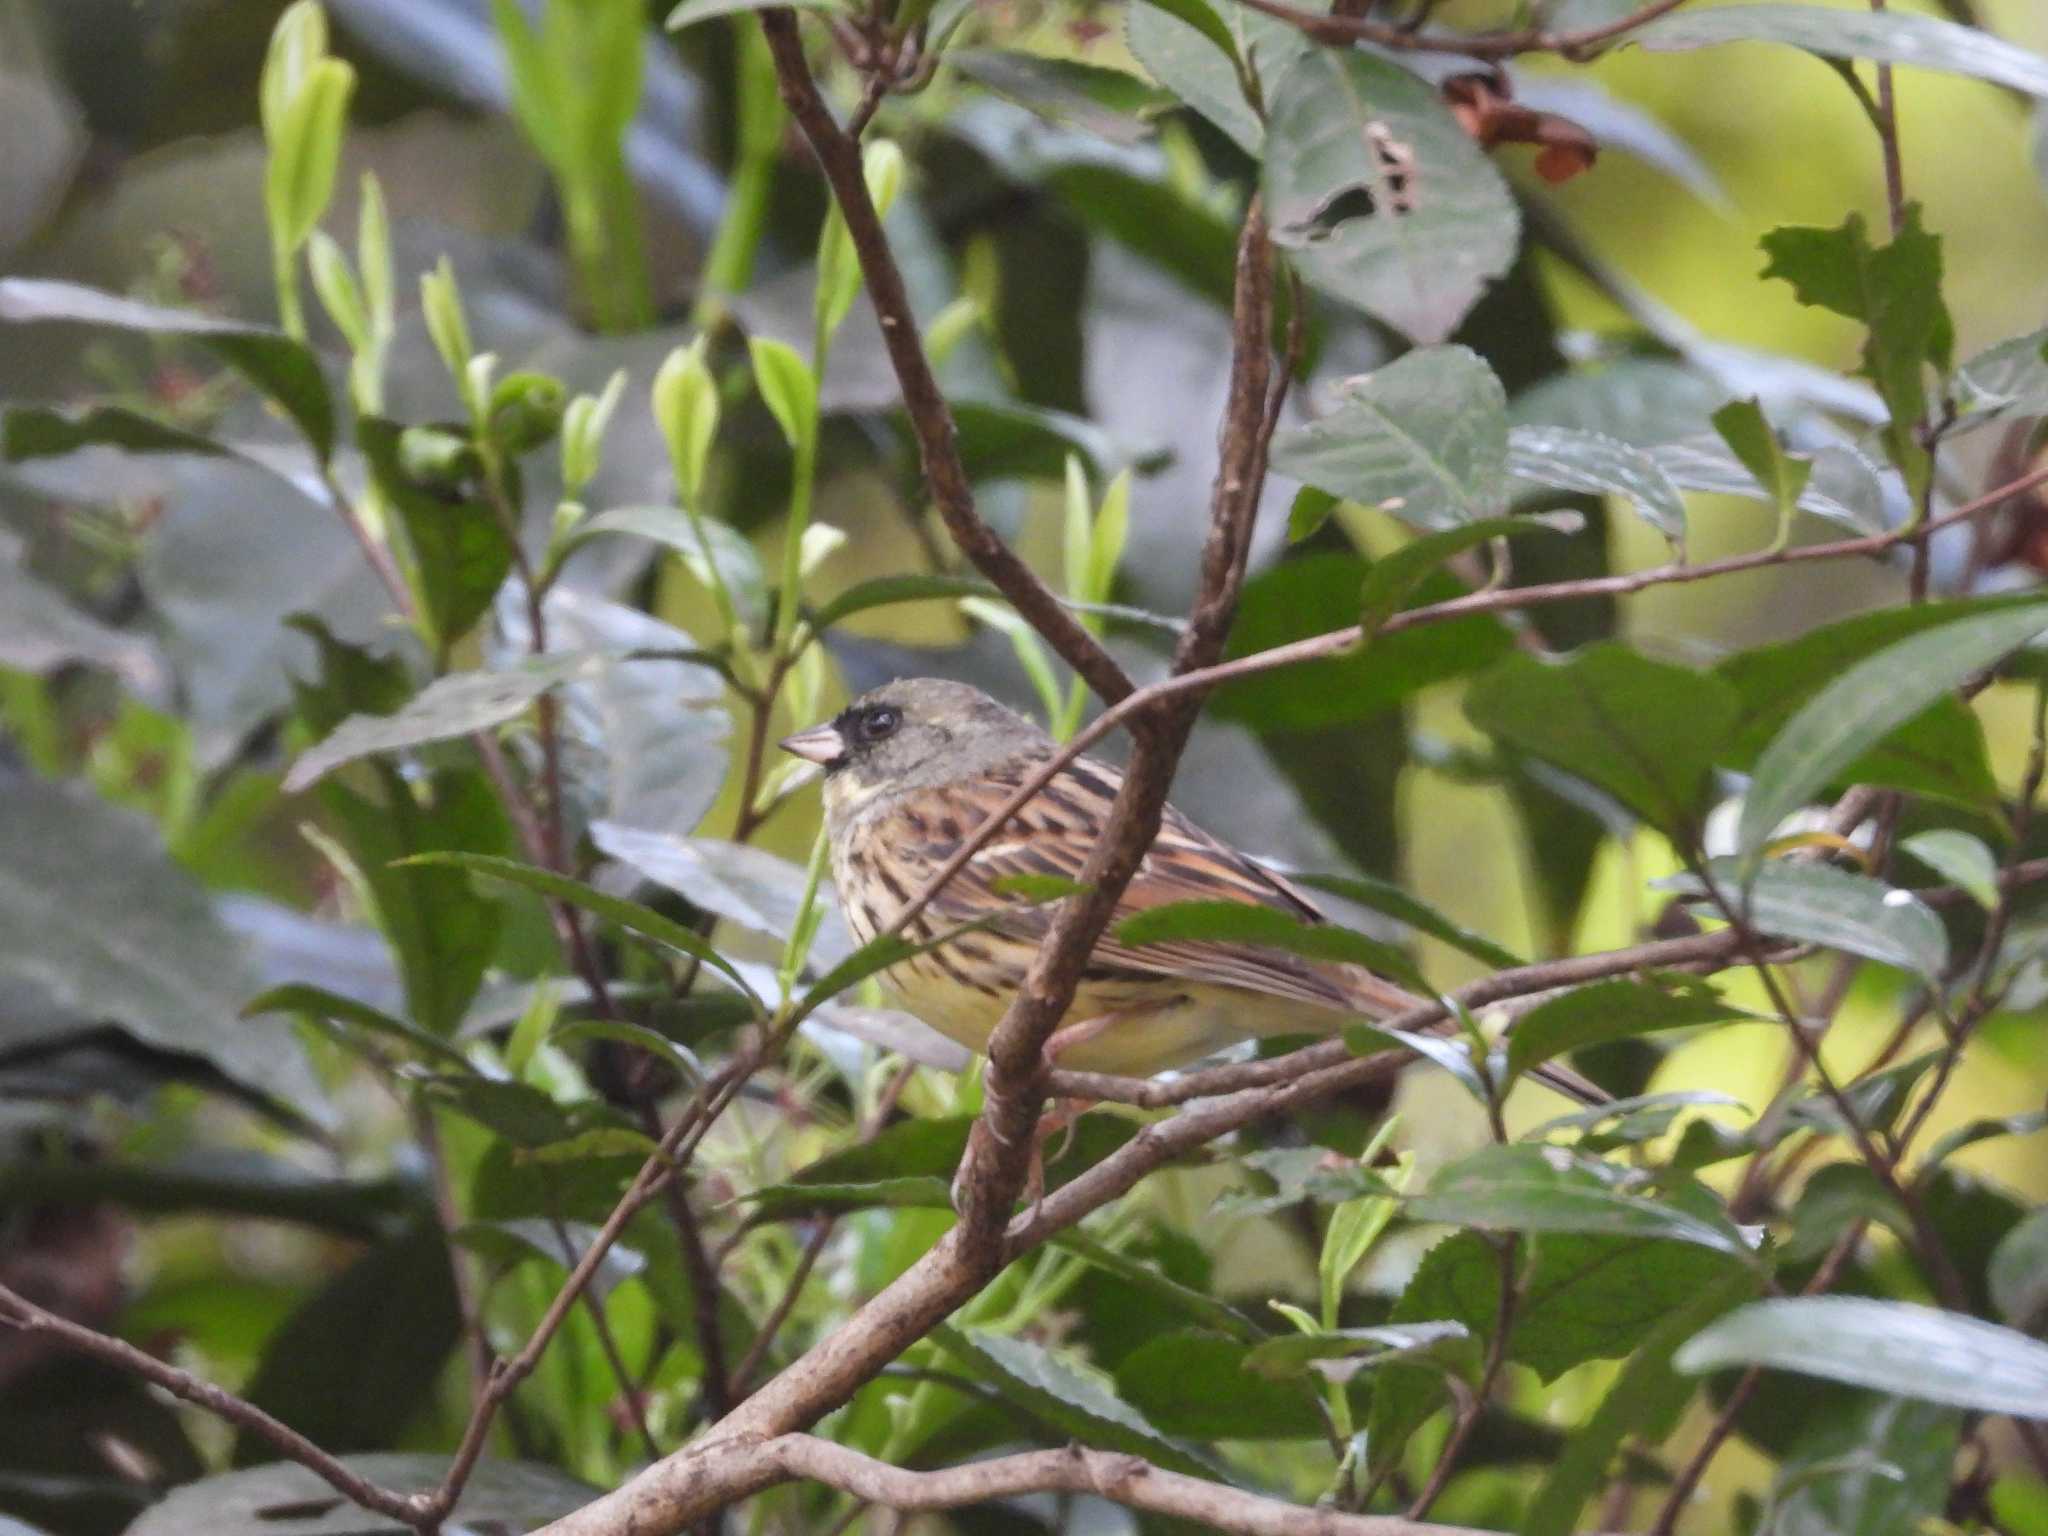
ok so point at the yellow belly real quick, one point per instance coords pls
(1153, 1031)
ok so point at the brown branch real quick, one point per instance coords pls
(18, 1311)
(1338, 642)
(1345, 30)
(930, 417)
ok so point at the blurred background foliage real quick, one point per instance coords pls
(248, 1199)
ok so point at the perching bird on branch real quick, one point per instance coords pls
(914, 768)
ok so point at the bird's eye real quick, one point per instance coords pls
(879, 722)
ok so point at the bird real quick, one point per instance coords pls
(912, 770)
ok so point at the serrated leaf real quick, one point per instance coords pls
(447, 708)
(282, 368)
(1381, 197)
(1867, 703)
(1618, 1009)
(1194, 1383)
(1822, 905)
(1393, 578)
(1575, 460)
(1898, 1347)
(1644, 731)
(1063, 1395)
(1424, 439)
(1895, 290)
(1645, 1401)
(1886, 37)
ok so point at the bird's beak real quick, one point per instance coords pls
(820, 744)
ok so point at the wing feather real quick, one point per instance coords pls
(1054, 834)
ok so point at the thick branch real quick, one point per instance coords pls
(930, 417)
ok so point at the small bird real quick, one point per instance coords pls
(913, 768)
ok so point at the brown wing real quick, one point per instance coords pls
(1055, 833)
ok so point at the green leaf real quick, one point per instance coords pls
(1575, 460)
(442, 931)
(305, 151)
(1064, 1395)
(1843, 488)
(1313, 594)
(1195, 1383)
(1237, 922)
(1311, 509)
(1379, 195)
(1645, 1401)
(2010, 379)
(1888, 1346)
(1989, 1128)
(1619, 1009)
(1297, 1354)
(40, 631)
(1385, 897)
(1644, 731)
(884, 591)
(1424, 438)
(787, 388)
(1867, 703)
(629, 915)
(320, 1003)
(1960, 859)
(97, 923)
(680, 1058)
(38, 432)
(1005, 440)
(737, 561)
(369, 1341)
(456, 705)
(460, 553)
(1153, 1284)
(1818, 904)
(1202, 18)
(1547, 1189)
(510, 1240)
(1889, 37)
(1869, 1467)
(1585, 1297)
(1746, 431)
(1940, 752)
(1175, 45)
(1895, 290)
(282, 368)
(1393, 578)
(285, 1499)
(2018, 1273)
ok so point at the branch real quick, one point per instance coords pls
(1338, 642)
(930, 417)
(18, 1311)
(1122, 1479)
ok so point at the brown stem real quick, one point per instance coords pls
(18, 1311)
(1489, 1376)
(930, 417)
